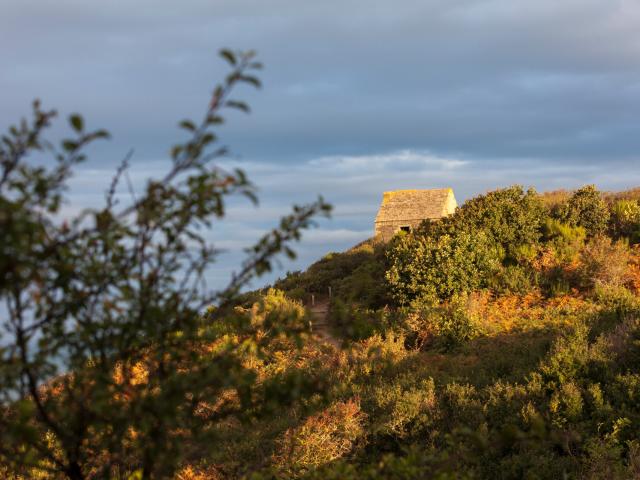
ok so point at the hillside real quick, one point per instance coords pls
(501, 342)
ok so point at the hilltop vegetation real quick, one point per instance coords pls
(501, 342)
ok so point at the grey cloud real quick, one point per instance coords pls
(481, 93)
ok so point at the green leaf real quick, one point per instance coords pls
(238, 105)
(187, 125)
(251, 79)
(176, 150)
(76, 122)
(228, 56)
(214, 120)
(208, 138)
(69, 145)
(101, 134)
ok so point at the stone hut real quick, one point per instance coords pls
(406, 209)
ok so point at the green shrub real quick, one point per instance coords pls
(364, 285)
(617, 299)
(276, 312)
(437, 268)
(468, 250)
(563, 234)
(321, 438)
(461, 405)
(445, 326)
(604, 460)
(586, 208)
(403, 406)
(625, 220)
(355, 322)
(510, 218)
(569, 356)
(514, 279)
(560, 256)
(566, 403)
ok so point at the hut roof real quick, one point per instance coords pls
(400, 205)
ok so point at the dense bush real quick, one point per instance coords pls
(559, 258)
(443, 326)
(585, 208)
(356, 322)
(510, 217)
(435, 268)
(320, 439)
(468, 250)
(625, 220)
(401, 407)
(274, 311)
(573, 416)
(604, 262)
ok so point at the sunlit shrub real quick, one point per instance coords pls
(275, 312)
(438, 268)
(625, 220)
(403, 406)
(586, 208)
(566, 403)
(461, 405)
(618, 301)
(445, 325)
(321, 438)
(604, 262)
(195, 473)
(559, 259)
(377, 353)
(511, 218)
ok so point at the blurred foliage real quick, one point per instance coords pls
(111, 353)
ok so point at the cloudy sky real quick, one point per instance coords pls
(359, 96)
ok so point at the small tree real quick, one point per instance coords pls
(106, 357)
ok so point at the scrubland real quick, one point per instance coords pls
(502, 342)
